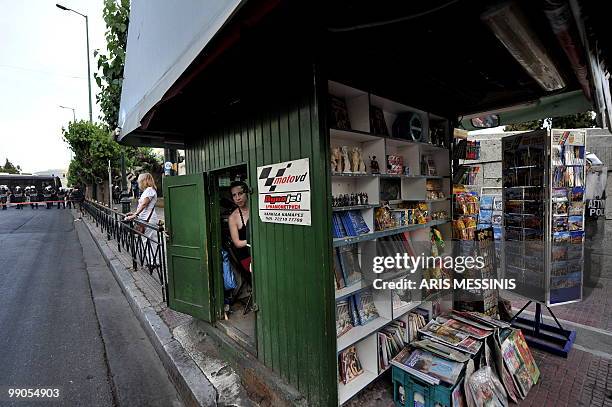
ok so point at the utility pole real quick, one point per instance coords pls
(88, 61)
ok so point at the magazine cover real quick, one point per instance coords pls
(468, 328)
(521, 345)
(344, 321)
(443, 333)
(430, 365)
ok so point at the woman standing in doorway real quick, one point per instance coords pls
(146, 213)
(239, 223)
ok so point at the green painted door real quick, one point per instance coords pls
(188, 255)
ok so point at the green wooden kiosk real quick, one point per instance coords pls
(259, 93)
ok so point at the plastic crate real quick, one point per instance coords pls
(439, 395)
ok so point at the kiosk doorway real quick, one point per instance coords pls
(230, 221)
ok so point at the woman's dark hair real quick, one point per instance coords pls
(242, 184)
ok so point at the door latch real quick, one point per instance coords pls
(255, 307)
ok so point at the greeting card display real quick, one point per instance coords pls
(543, 175)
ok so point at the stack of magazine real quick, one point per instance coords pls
(448, 334)
(429, 366)
(514, 363)
(522, 372)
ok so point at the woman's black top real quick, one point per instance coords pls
(243, 234)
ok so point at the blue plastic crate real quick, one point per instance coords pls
(439, 395)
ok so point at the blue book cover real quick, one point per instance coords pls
(338, 227)
(348, 226)
(358, 222)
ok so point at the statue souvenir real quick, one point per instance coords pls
(346, 164)
(357, 164)
(336, 160)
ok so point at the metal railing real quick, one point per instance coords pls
(146, 249)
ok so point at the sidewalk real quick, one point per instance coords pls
(206, 369)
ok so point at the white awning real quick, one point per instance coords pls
(164, 38)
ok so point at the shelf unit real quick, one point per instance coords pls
(425, 164)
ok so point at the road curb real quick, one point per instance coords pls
(191, 383)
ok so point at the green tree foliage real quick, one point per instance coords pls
(93, 146)
(10, 168)
(573, 121)
(110, 64)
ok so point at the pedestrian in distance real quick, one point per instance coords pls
(61, 198)
(4, 196)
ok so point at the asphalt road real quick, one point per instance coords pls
(64, 322)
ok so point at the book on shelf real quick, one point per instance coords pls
(415, 322)
(348, 257)
(349, 365)
(364, 301)
(390, 343)
(427, 366)
(339, 117)
(349, 223)
(338, 229)
(356, 221)
(344, 320)
(339, 277)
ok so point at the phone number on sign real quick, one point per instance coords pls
(33, 393)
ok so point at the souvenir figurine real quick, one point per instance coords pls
(346, 164)
(336, 160)
(357, 164)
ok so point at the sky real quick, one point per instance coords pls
(42, 66)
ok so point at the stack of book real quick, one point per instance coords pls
(416, 321)
(349, 365)
(391, 341)
(348, 223)
(520, 371)
(357, 309)
(346, 266)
